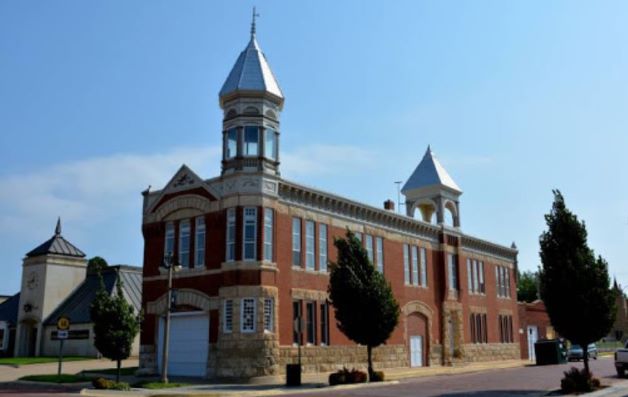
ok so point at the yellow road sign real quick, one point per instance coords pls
(63, 323)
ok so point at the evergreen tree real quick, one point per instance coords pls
(366, 310)
(574, 284)
(528, 286)
(115, 324)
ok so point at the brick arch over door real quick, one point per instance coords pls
(185, 296)
(419, 318)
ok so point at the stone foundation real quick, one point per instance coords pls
(148, 360)
(331, 358)
(245, 357)
(475, 352)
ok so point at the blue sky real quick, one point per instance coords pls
(98, 100)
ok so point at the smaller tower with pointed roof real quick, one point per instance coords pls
(430, 189)
(50, 272)
(251, 101)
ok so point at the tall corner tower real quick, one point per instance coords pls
(251, 101)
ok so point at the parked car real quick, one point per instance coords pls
(576, 352)
(621, 361)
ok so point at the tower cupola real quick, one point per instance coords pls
(431, 190)
(251, 101)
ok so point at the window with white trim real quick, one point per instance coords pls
(358, 235)
(199, 242)
(423, 252)
(232, 143)
(415, 265)
(247, 315)
(269, 313)
(452, 267)
(169, 244)
(406, 264)
(324, 324)
(227, 316)
(270, 145)
(481, 277)
(269, 216)
(296, 242)
(251, 141)
(231, 235)
(379, 253)
(322, 247)
(310, 319)
(249, 242)
(184, 243)
(2, 332)
(309, 245)
(368, 242)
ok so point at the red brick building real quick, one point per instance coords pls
(255, 248)
(535, 324)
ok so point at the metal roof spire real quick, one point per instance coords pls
(58, 228)
(255, 14)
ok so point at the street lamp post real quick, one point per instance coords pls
(169, 264)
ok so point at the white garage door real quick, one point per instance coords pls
(189, 343)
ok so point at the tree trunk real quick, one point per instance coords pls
(585, 358)
(369, 351)
(118, 372)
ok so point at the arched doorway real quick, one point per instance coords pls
(418, 339)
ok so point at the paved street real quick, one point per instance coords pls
(526, 381)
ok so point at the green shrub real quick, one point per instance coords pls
(107, 384)
(345, 376)
(378, 376)
(578, 381)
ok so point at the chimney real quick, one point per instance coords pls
(389, 205)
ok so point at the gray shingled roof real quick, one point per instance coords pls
(9, 309)
(77, 305)
(430, 172)
(57, 245)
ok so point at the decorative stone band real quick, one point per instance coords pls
(309, 294)
(185, 296)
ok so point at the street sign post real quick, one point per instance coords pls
(63, 327)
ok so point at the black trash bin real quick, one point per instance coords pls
(293, 375)
(550, 351)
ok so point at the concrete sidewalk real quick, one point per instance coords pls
(273, 386)
(9, 373)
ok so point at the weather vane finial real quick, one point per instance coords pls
(255, 14)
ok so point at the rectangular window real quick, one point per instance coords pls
(296, 322)
(472, 327)
(199, 243)
(310, 309)
(469, 275)
(269, 313)
(2, 338)
(169, 245)
(184, 243)
(379, 250)
(424, 267)
(368, 242)
(325, 324)
(482, 285)
(296, 242)
(270, 147)
(406, 264)
(231, 234)
(476, 271)
(415, 265)
(251, 141)
(247, 315)
(452, 267)
(232, 143)
(268, 234)
(227, 316)
(358, 235)
(478, 328)
(309, 245)
(322, 248)
(498, 284)
(249, 243)
(507, 272)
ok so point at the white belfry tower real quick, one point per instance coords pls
(431, 190)
(251, 101)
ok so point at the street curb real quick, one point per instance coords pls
(619, 389)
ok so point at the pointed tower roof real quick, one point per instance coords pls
(430, 172)
(251, 72)
(57, 245)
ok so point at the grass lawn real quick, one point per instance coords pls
(38, 360)
(63, 378)
(154, 385)
(112, 371)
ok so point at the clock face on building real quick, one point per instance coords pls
(32, 281)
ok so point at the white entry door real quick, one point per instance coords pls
(189, 344)
(533, 336)
(416, 351)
